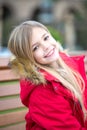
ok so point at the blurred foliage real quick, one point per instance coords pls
(7, 27)
(82, 40)
(85, 4)
(54, 32)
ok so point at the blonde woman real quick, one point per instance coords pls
(53, 84)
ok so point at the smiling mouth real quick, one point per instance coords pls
(49, 53)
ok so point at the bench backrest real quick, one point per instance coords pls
(12, 111)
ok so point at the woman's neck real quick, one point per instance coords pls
(55, 66)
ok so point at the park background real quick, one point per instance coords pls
(66, 19)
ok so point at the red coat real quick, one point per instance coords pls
(51, 107)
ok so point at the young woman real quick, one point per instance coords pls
(53, 84)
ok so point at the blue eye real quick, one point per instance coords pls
(46, 38)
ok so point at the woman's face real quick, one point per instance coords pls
(44, 47)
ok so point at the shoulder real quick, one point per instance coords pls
(71, 61)
(49, 95)
(52, 92)
(26, 88)
(75, 62)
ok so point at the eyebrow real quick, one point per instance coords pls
(41, 37)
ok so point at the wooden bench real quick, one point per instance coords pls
(12, 111)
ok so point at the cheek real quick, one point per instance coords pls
(37, 55)
(53, 41)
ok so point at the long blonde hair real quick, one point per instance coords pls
(20, 46)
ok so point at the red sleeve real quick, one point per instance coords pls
(26, 88)
(81, 68)
(52, 111)
(81, 65)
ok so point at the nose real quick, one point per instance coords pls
(45, 45)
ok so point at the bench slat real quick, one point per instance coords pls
(20, 126)
(4, 63)
(11, 89)
(7, 75)
(12, 117)
(10, 103)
